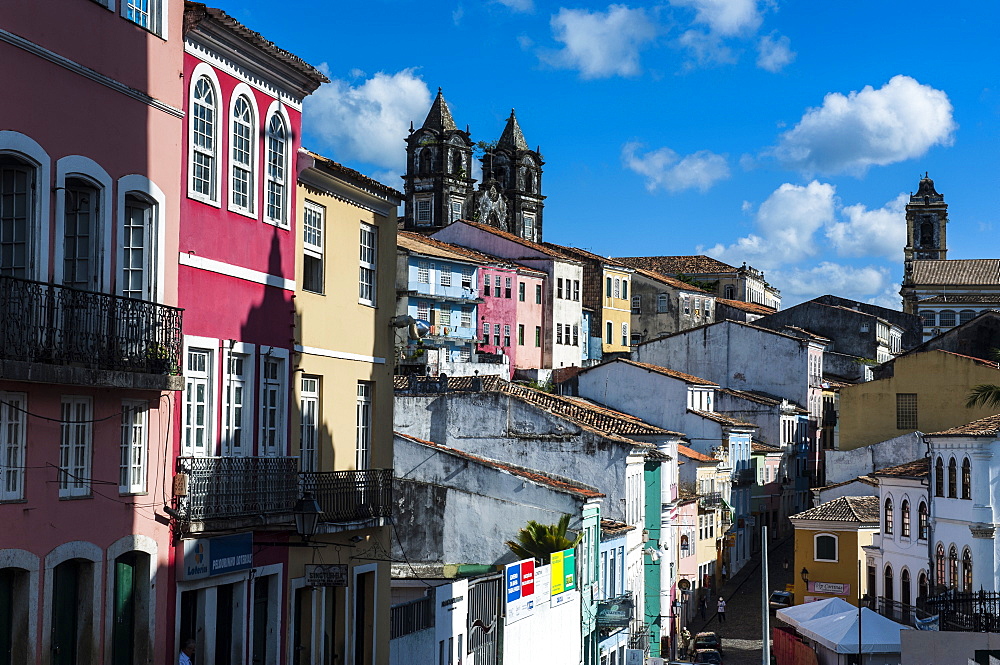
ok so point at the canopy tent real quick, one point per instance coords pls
(821, 608)
(839, 632)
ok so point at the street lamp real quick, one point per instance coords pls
(307, 511)
(805, 575)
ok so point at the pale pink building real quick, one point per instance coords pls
(511, 313)
(91, 337)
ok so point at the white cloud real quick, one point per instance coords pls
(724, 17)
(665, 169)
(706, 49)
(866, 283)
(601, 44)
(518, 5)
(785, 225)
(865, 232)
(899, 121)
(774, 53)
(369, 121)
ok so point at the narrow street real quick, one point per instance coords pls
(741, 633)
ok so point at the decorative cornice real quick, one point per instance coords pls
(983, 530)
(229, 66)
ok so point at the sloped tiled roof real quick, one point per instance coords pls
(667, 280)
(988, 426)
(808, 334)
(920, 468)
(751, 307)
(758, 447)
(691, 453)
(866, 480)
(858, 509)
(555, 482)
(612, 528)
(665, 371)
(760, 398)
(584, 255)
(957, 272)
(722, 419)
(960, 299)
(586, 412)
(490, 382)
(548, 251)
(685, 265)
(195, 12)
(978, 361)
(416, 242)
(339, 169)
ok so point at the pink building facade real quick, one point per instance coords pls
(236, 480)
(530, 317)
(91, 333)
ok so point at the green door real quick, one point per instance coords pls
(65, 586)
(6, 616)
(123, 630)
(260, 597)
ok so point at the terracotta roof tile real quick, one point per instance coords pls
(988, 426)
(584, 255)
(665, 371)
(691, 453)
(587, 413)
(920, 468)
(751, 307)
(686, 265)
(758, 447)
(866, 480)
(722, 419)
(428, 384)
(978, 361)
(668, 280)
(861, 509)
(339, 169)
(960, 298)
(519, 240)
(555, 482)
(957, 272)
(612, 528)
(427, 244)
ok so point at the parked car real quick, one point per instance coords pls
(711, 656)
(779, 600)
(707, 640)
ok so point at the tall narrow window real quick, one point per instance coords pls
(75, 446)
(952, 479)
(81, 235)
(363, 448)
(520, 334)
(197, 402)
(967, 571)
(618, 288)
(576, 290)
(467, 275)
(966, 479)
(904, 587)
(662, 303)
(576, 335)
(444, 275)
(424, 272)
(272, 416)
(496, 334)
(507, 288)
(624, 334)
(309, 423)
(887, 588)
(923, 588)
(466, 317)
(637, 304)
(559, 337)
(538, 336)
(369, 263)
(624, 289)
(313, 230)
(559, 287)
(277, 167)
(906, 411)
(520, 291)
(137, 273)
(17, 202)
(203, 139)
(538, 294)
(234, 403)
(904, 519)
(423, 211)
(242, 147)
(609, 337)
(12, 417)
(939, 477)
(608, 285)
(922, 521)
(144, 13)
(506, 335)
(940, 567)
(887, 523)
(953, 567)
(134, 446)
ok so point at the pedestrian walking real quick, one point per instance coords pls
(722, 610)
(703, 607)
(685, 640)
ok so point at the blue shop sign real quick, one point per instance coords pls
(207, 557)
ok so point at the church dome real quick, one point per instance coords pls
(926, 187)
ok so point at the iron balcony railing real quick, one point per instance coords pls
(713, 500)
(744, 477)
(348, 496)
(57, 325)
(238, 487)
(977, 612)
(408, 618)
(909, 615)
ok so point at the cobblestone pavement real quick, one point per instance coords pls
(742, 632)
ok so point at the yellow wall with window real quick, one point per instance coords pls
(849, 539)
(616, 300)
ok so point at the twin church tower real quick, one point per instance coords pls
(440, 189)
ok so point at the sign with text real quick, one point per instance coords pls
(563, 571)
(830, 587)
(206, 557)
(520, 578)
(326, 575)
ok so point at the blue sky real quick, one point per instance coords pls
(777, 133)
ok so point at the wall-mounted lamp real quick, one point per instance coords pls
(805, 575)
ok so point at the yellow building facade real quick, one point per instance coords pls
(616, 308)
(344, 305)
(926, 392)
(828, 547)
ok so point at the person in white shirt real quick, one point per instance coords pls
(187, 653)
(722, 610)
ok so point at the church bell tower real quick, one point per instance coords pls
(926, 236)
(510, 195)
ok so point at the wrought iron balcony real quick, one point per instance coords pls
(349, 496)
(744, 477)
(713, 500)
(56, 325)
(237, 487)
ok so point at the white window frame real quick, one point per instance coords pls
(74, 475)
(140, 186)
(311, 248)
(204, 70)
(444, 275)
(368, 266)
(424, 306)
(157, 24)
(210, 379)
(309, 410)
(37, 224)
(13, 420)
(624, 334)
(836, 545)
(84, 168)
(424, 272)
(133, 465)
(287, 182)
(468, 277)
(466, 317)
(229, 380)
(243, 91)
(278, 386)
(421, 205)
(363, 424)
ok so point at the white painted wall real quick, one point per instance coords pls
(843, 465)
(551, 635)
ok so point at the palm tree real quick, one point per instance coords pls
(539, 541)
(986, 394)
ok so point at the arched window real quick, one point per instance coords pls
(966, 479)
(929, 318)
(825, 547)
(887, 522)
(953, 567)
(947, 318)
(685, 545)
(965, 316)
(926, 234)
(242, 148)
(940, 572)
(967, 571)
(204, 134)
(904, 519)
(17, 214)
(939, 477)
(904, 587)
(277, 170)
(887, 590)
(952, 479)
(922, 588)
(81, 235)
(425, 159)
(922, 521)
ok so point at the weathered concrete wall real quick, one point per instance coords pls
(927, 647)
(418, 647)
(910, 323)
(850, 331)
(842, 465)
